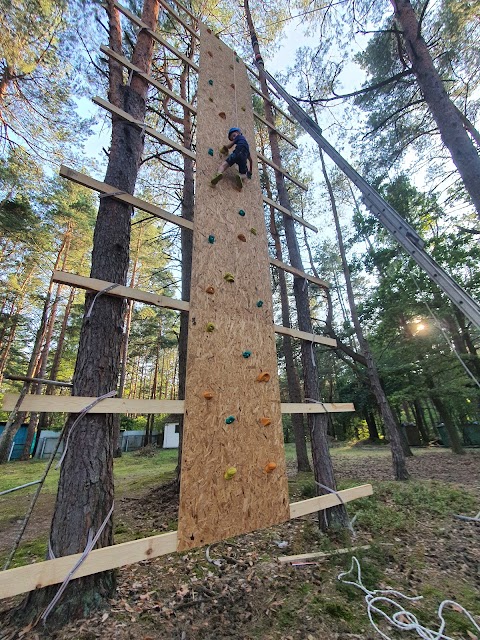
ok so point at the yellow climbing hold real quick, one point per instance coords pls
(229, 473)
(229, 277)
(210, 327)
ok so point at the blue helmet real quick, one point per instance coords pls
(232, 130)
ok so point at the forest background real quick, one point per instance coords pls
(425, 350)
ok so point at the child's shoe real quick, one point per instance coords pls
(239, 182)
(216, 179)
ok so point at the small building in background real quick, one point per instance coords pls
(171, 436)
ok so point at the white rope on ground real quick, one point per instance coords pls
(79, 417)
(402, 619)
(92, 541)
(106, 290)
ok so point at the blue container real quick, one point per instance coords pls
(18, 441)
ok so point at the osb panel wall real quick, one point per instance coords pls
(212, 507)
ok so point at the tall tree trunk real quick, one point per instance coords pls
(322, 462)
(445, 417)
(398, 457)
(446, 115)
(420, 420)
(85, 491)
(372, 426)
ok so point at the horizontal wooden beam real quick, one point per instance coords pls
(186, 10)
(136, 20)
(304, 335)
(175, 15)
(43, 574)
(275, 106)
(279, 207)
(94, 284)
(75, 404)
(151, 132)
(138, 203)
(298, 273)
(320, 555)
(53, 383)
(282, 135)
(126, 63)
(285, 173)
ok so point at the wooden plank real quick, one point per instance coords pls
(94, 284)
(282, 135)
(136, 20)
(320, 555)
(151, 132)
(75, 404)
(313, 407)
(279, 207)
(42, 574)
(298, 273)
(275, 106)
(186, 10)
(211, 507)
(175, 15)
(285, 173)
(143, 205)
(304, 335)
(303, 508)
(126, 63)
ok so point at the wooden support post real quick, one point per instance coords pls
(298, 273)
(304, 335)
(282, 135)
(265, 97)
(287, 212)
(285, 173)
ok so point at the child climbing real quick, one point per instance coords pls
(240, 157)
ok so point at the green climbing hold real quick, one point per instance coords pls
(210, 152)
(229, 277)
(253, 231)
(241, 212)
(237, 59)
(260, 303)
(246, 354)
(210, 82)
(229, 420)
(211, 239)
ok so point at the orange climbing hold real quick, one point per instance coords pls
(208, 395)
(263, 377)
(241, 237)
(271, 466)
(266, 422)
(210, 290)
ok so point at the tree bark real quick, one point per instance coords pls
(444, 112)
(445, 417)
(85, 491)
(322, 462)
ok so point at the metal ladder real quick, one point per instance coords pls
(386, 214)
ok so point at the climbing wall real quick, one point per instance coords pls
(233, 465)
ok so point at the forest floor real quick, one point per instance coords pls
(416, 547)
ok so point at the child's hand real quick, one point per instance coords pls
(224, 151)
(249, 175)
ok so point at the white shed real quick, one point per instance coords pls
(171, 436)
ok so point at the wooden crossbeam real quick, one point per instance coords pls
(320, 555)
(75, 404)
(304, 335)
(285, 173)
(279, 207)
(136, 20)
(175, 15)
(151, 132)
(126, 63)
(298, 273)
(275, 106)
(186, 10)
(282, 135)
(42, 574)
(138, 203)
(93, 284)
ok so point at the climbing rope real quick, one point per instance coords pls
(235, 88)
(402, 619)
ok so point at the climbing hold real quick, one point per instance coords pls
(232, 85)
(210, 152)
(237, 59)
(231, 67)
(222, 115)
(246, 354)
(210, 99)
(243, 109)
(263, 377)
(209, 30)
(229, 277)
(210, 54)
(230, 419)
(241, 213)
(241, 237)
(266, 422)
(208, 395)
(253, 231)
(260, 304)
(271, 466)
(229, 473)
(211, 239)
(210, 290)
(210, 327)
(210, 82)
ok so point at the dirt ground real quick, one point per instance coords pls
(416, 546)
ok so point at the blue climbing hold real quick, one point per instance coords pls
(260, 303)
(246, 354)
(211, 239)
(229, 420)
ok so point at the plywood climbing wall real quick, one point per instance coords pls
(227, 361)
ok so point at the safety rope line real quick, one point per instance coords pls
(106, 290)
(235, 88)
